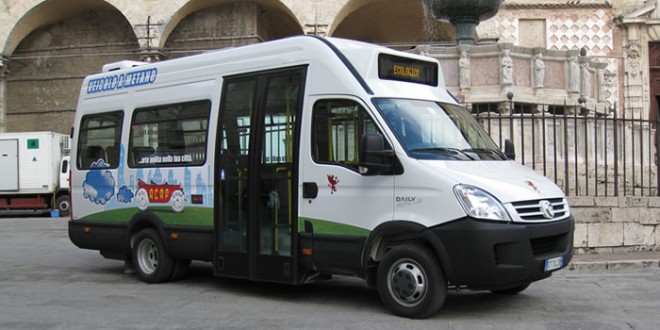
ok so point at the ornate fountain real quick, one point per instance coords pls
(464, 15)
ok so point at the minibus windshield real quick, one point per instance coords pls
(433, 130)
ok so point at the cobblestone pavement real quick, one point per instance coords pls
(47, 283)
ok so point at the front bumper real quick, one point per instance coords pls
(496, 255)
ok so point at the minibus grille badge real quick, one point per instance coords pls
(544, 210)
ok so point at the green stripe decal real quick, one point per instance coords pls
(203, 217)
(191, 216)
(332, 228)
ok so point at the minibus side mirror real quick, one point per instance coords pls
(374, 158)
(509, 149)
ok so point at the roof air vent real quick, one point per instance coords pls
(122, 65)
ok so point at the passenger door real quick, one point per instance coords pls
(256, 205)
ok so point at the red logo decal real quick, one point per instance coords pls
(332, 183)
(533, 186)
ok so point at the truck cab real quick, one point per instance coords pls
(62, 200)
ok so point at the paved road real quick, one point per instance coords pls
(47, 283)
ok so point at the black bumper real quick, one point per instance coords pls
(110, 239)
(496, 255)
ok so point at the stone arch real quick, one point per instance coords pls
(209, 24)
(382, 21)
(52, 48)
(37, 14)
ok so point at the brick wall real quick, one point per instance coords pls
(616, 224)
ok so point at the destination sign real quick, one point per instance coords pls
(398, 68)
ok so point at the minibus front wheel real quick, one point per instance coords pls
(410, 282)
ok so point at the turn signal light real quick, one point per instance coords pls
(307, 252)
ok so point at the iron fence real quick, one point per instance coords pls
(586, 152)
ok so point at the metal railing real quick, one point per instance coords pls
(585, 152)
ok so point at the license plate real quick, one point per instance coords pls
(554, 263)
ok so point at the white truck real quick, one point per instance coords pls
(35, 171)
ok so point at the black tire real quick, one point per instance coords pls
(63, 204)
(152, 263)
(180, 270)
(511, 291)
(410, 282)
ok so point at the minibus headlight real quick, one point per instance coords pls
(479, 204)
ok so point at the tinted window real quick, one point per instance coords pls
(336, 130)
(169, 135)
(98, 144)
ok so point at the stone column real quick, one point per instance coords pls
(464, 68)
(573, 74)
(151, 55)
(538, 72)
(601, 82)
(585, 77)
(505, 71)
(573, 82)
(148, 35)
(539, 69)
(4, 72)
(634, 81)
(316, 29)
(506, 68)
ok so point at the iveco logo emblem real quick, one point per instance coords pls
(547, 209)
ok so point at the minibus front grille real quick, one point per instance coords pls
(534, 211)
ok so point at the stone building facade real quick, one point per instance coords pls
(545, 52)
(48, 46)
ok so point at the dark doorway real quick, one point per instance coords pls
(654, 77)
(654, 65)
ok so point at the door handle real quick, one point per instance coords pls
(310, 190)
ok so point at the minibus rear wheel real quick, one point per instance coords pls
(410, 282)
(152, 263)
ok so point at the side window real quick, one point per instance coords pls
(98, 143)
(169, 135)
(65, 166)
(336, 131)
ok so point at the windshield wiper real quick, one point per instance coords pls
(484, 150)
(444, 149)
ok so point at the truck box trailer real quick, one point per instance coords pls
(34, 172)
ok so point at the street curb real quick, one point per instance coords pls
(613, 265)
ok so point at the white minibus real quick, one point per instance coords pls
(297, 159)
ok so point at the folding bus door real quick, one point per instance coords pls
(256, 207)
